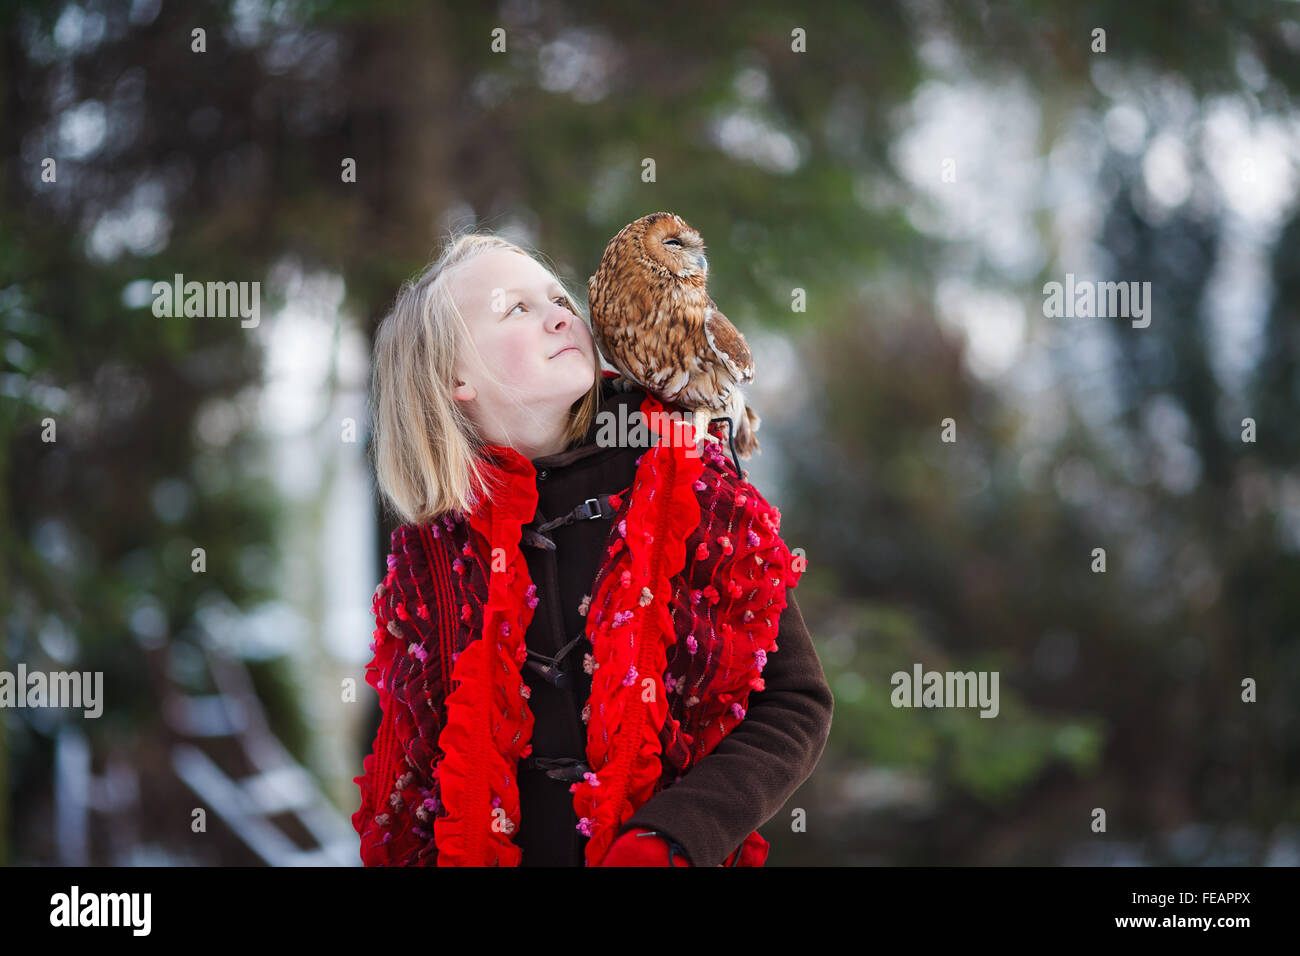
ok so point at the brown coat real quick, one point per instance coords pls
(752, 772)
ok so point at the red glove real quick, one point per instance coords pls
(637, 847)
(753, 852)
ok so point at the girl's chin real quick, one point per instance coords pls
(572, 381)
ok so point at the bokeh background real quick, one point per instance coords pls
(884, 188)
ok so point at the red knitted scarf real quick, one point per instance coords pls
(685, 609)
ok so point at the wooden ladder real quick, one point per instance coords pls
(277, 784)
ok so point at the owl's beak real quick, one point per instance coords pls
(701, 263)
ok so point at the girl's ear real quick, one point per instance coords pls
(463, 392)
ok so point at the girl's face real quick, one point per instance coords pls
(537, 356)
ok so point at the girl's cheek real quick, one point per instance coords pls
(582, 333)
(514, 356)
(500, 350)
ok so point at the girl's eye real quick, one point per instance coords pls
(558, 298)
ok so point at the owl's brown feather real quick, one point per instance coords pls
(653, 320)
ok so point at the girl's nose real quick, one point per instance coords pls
(560, 317)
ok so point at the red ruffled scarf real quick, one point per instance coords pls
(684, 610)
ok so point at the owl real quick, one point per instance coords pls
(653, 320)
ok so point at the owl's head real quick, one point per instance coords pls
(669, 241)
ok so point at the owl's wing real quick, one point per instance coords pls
(727, 343)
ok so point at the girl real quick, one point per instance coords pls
(568, 625)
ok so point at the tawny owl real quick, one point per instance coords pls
(654, 321)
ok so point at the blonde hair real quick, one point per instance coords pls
(428, 453)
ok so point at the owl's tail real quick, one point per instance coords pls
(746, 424)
